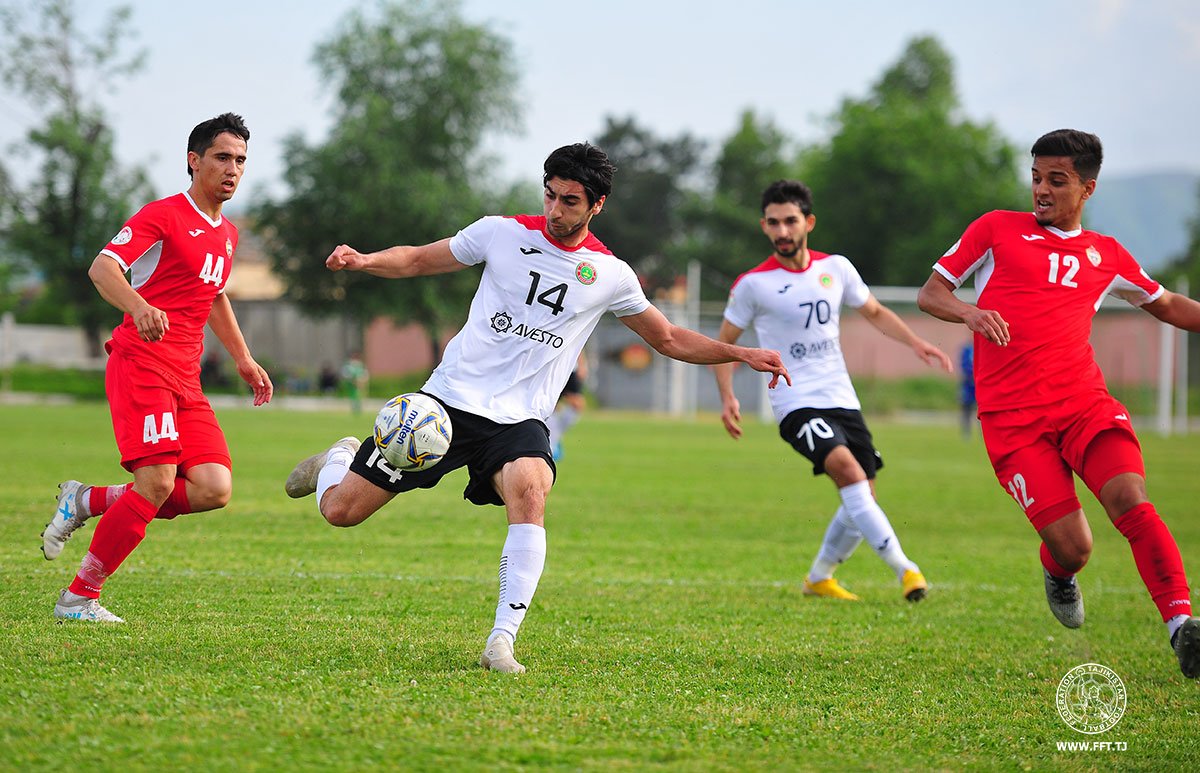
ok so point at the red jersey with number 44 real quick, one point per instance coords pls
(1047, 284)
(179, 261)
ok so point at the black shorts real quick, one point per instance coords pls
(574, 385)
(481, 445)
(814, 432)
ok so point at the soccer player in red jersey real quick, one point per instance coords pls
(179, 254)
(1044, 408)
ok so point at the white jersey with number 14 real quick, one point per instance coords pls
(538, 302)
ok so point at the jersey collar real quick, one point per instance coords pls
(207, 219)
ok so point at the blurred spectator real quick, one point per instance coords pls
(355, 380)
(966, 388)
(327, 380)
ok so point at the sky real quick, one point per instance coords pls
(1128, 71)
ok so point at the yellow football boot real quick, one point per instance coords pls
(829, 589)
(913, 585)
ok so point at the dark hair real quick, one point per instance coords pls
(788, 192)
(203, 136)
(584, 163)
(1084, 150)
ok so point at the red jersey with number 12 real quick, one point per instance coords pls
(179, 260)
(1047, 284)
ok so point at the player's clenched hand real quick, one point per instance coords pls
(767, 361)
(931, 355)
(989, 324)
(151, 323)
(344, 257)
(731, 417)
(254, 375)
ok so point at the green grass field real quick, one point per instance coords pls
(669, 630)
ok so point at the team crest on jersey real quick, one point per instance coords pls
(1093, 255)
(123, 236)
(826, 280)
(228, 248)
(585, 272)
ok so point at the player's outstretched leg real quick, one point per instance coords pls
(72, 606)
(69, 515)
(873, 523)
(303, 479)
(1065, 599)
(1186, 643)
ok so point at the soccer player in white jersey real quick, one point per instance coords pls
(793, 300)
(546, 281)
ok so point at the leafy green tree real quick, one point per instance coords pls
(904, 173)
(642, 220)
(79, 196)
(722, 225)
(417, 89)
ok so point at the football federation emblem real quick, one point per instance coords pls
(586, 273)
(1091, 698)
(1093, 255)
(826, 280)
(123, 236)
(228, 248)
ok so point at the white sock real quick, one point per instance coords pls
(521, 564)
(554, 425)
(870, 519)
(1174, 624)
(841, 539)
(569, 417)
(337, 464)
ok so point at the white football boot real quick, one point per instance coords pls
(303, 479)
(1065, 599)
(72, 606)
(498, 656)
(67, 518)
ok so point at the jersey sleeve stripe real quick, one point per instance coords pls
(120, 261)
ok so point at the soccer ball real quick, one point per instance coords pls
(412, 431)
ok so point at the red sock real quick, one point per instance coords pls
(177, 502)
(118, 533)
(1158, 561)
(1053, 566)
(101, 497)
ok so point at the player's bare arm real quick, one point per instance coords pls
(398, 262)
(1175, 309)
(889, 323)
(110, 282)
(731, 409)
(225, 326)
(685, 345)
(937, 299)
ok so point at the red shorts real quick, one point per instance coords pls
(159, 418)
(1034, 452)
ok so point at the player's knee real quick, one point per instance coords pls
(341, 513)
(1074, 555)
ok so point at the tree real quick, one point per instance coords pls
(722, 225)
(417, 90)
(80, 197)
(642, 220)
(903, 174)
